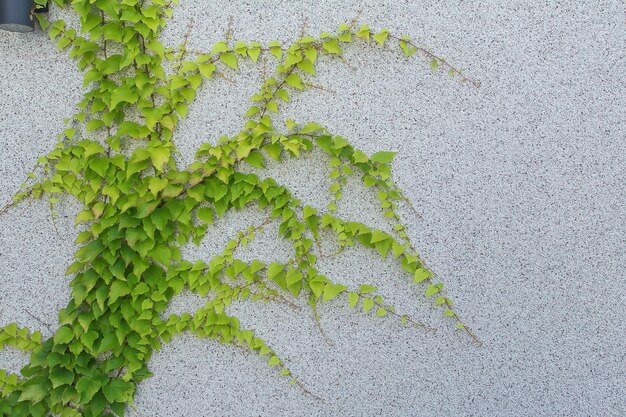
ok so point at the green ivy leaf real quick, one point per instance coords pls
(220, 47)
(61, 376)
(378, 236)
(295, 81)
(92, 148)
(366, 289)
(363, 32)
(308, 211)
(254, 50)
(273, 361)
(156, 184)
(368, 303)
(383, 247)
(160, 217)
(119, 289)
(63, 336)
(207, 69)
(94, 124)
(310, 128)
(123, 94)
(381, 36)
(255, 159)
(332, 47)
(160, 156)
(87, 387)
(421, 274)
(161, 254)
(117, 390)
(333, 290)
(274, 269)
(307, 66)
(353, 298)
(34, 391)
(206, 215)
(241, 48)
(431, 290)
(383, 157)
(89, 338)
(252, 111)
(292, 59)
(100, 166)
(230, 59)
(274, 150)
(317, 285)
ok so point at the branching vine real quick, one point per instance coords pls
(140, 208)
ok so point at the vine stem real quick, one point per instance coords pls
(417, 324)
(316, 319)
(7, 206)
(282, 300)
(53, 218)
(40, 321)
(307, 391)
(431, 55)
(277, 298)
(278, 87)
(475, 339)
(320, 87)
(106, 57)
(305, 26)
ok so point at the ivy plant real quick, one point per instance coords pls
(140, 208)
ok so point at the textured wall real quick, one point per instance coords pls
(520, 184)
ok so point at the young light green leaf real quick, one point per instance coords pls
(431, 290)
(368, 303)
(307, 66)
(230, 59)
(421, 274)
(273, 361)
(378, 236)
(295, 81)
(353, 299)
(332, 47)
(381, 36)
(333, 290)
(383, 157)
(364, 32)
(255, 158)
(366, 289)
(207, 69)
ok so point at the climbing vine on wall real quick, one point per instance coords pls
(140, 208)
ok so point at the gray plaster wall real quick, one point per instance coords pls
(520, 184)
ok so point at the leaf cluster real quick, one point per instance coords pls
(139, 209)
